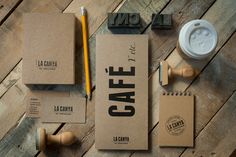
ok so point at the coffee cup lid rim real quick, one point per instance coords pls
(198, 38)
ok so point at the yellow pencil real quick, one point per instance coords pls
(86, 57)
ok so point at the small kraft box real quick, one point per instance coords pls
(121, 102)
(49, 46)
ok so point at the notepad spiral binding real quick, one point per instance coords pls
(177, 93)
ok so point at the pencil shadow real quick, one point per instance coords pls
(78, 52)
(57, 150)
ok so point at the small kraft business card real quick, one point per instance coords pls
(33, 101)
(63, 109)
(54, 106)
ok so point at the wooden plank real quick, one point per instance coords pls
(218, 137)
(16, 140)
(95, 16)
(87, 134)
(163, 42)
(165, 39)
(214, 16)
(11, 79)
(212, 90)
(6, 8)
(129, 6)
(144, 7)
(14, 79)
(218, 81)
(11, 31)
(84, 133)
(173, 7)
(8, 49)
(19, 70)
(102, 153)
(206, 106)
(225, 27)
(11, 109)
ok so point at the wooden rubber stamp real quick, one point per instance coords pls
(123, 20)
(161, 21)
(167, 72)
(43, 139)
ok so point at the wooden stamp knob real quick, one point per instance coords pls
(186, 72)
(43, 139)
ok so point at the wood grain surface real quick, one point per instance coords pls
(176, 61)
(13, 82)
(225, 30)
(87, 134)
(209, 98)
(6, 8)
(11, 31)
(215, 107)
(214, 87)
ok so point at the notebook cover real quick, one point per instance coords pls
(176, 120)
(121, 110)
(49, 42)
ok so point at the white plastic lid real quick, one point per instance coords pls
(198, 39)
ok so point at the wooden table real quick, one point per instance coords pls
(214, 87)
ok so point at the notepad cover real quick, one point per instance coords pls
(176, 120)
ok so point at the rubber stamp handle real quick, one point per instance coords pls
(43, 139)
(186, 72)
(65, 138)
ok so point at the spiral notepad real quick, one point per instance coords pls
(176, 120)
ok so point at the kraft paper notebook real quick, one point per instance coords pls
(176, 120)
(49, 43)
(121, 110)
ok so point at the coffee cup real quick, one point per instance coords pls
(197, 40)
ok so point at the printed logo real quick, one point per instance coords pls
(175, 125)
(46, 64)
(123, 92)
(63, 110)
(121, 140)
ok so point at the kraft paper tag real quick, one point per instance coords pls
(63, 109)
